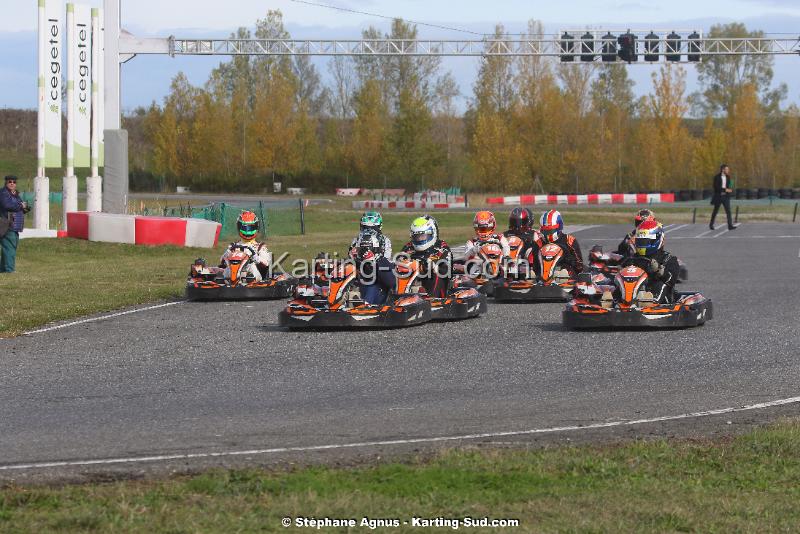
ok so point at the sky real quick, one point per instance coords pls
(146, 79)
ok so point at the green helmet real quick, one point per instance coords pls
(371, 220)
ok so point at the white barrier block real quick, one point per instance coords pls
(112, 228)
(562, 199)
(604, 198)
(201, 233)
(629, 198)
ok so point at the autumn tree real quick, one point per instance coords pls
(750, 150)
(723, 78)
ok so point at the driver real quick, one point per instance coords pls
(433, 254)
(626, 247)
(552, 231)
(372, 221)
(520, 224)
(484, 224)
(661, 267)
(375, 272)
(248, 226)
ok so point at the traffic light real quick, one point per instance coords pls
(627, 47)
(567, 47)
(673, 47)
(651, 47)
(609, 47)
(694, 47)
(587, 47)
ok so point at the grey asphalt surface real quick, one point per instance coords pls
(206, 377)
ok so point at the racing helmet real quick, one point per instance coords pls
(371, 220)
(649, 238)
(424, 233)
(551, 225)
(643, 215)
(484, 224)
(247, 224)
(370, 246)
(520, 219)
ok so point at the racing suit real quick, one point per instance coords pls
(376, 279)
(436, 267)
(662, 273)
(474, 245)
(385, 241)
(260, 265)
(572, 260)
(626, 247)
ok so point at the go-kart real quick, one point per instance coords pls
(627, 304)
(236, 281)
(608, 263)
(553, 284)
(463, 300)
(340, 305)
(484, 269)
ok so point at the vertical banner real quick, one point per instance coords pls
(81, 73)
(51, 72)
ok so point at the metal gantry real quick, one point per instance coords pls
(547, 47)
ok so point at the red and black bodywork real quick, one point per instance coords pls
(553, 284)
(205, 284)
(343, 308)
(628, 305)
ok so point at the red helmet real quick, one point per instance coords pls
(643, 215)
(484, 223)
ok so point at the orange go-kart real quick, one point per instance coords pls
(553, 284)
(341, 305)
(235, 281)
(627, 304)
(484, 269)
(463, 300)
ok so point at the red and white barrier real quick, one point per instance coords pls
(596, 198)
(142, 230)
(347, 192)
(409, 204)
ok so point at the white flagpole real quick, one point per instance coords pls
(94, 183)
(69, 186)
(41, 190)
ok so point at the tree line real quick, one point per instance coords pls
(532, 124)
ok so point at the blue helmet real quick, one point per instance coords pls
(551, 225)
(649, 238)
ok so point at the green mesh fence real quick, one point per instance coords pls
(276, 218)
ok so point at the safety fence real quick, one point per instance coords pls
(280, 218)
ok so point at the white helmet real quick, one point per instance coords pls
(424, 233)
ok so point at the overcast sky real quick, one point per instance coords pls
(147, 79)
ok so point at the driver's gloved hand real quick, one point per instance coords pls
(653, 267)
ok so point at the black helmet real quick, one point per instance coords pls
(520, 219)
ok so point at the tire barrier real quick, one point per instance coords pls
(599, 198)
(409, 204)
(142, 230)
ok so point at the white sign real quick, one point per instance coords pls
(82, 76)
(50, 77)
(99, 84)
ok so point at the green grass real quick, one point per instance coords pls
(745, 484)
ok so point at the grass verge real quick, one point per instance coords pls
(744, 484)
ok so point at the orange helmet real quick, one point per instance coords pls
(247, 224)
(484, 223)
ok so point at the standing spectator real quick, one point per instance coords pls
(13, 208)
(722, 195)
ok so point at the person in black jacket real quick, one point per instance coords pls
(13, 209)
(722, 195)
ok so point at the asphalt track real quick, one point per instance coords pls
(124, 392)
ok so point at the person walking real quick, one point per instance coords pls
(12, 209)
(722, 195)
